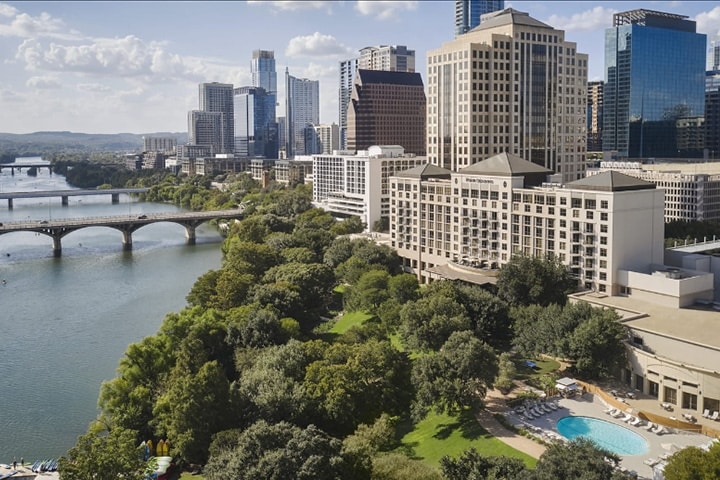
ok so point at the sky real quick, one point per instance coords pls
(117, 66)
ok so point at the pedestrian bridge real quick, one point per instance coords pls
(65, 194)
(56, 229)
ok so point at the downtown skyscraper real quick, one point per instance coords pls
(256, 130)
(468, 12)
(302, 111)
(654, 94)
(212, 125)
(393, 58)
(512, 84)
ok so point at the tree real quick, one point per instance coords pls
(369, 292)
(103, 454)
(526, 280)
(404, 288)
(473, 466)
(598, 345)
(314, 281)
(580, 458)
(396, 466)
(693, 463)
(356, 383)
(429, 322)
(203, 291)
(506, 372)
(368, 440)
(488, 314)
(456, 377)
(281, 451)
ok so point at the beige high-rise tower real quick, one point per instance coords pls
(512, 84)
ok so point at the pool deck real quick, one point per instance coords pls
(591, 406)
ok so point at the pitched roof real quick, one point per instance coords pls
(611, 181)
(509, 16)
(388, 77)
(427, 170)
(504, 165)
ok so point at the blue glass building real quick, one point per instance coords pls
(255, 126)
(467, 13)
(654, 94)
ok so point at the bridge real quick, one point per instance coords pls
(20, 166)
(58, 228)
(64, 194)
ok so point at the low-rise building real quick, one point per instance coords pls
(295, 171)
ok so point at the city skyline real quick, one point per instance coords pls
(110, 67)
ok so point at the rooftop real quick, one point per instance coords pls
(425, 171)
(509, 16)
(611, 181)
(504, 165)
(390, 78)
(697, 325)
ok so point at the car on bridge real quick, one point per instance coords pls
(43, 222)
(142, 217)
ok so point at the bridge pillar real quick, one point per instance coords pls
(12, 171)
(127, 240)
(115, 197)
(190, 235)
(10, 204)
(57, 246)
(64, 200)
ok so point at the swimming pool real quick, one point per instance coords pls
(607, 435)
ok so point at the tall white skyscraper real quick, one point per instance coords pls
(512, 84)
(347, 78)
(302, 111)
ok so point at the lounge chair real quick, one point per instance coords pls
(659, 430)
(608, 410)
(627, 417)
(714, 415)
(650, 426)
(616, 413)
(635, 422)
(706, 413)
(546, 408)
(651, 462)
(552, 405)
(537, 412)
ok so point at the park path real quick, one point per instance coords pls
(495, 403)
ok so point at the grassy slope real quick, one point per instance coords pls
(439, 435)
(349, 320)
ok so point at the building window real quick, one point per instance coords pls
(670, 395)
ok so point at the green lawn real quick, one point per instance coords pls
(543, 367)
(189, 476)
(348, 320)
(439, 435)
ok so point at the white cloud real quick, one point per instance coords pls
(293, 5)
(92, 87)
(26, 26)
(43, 83)
(589, 20)
(384, 9)
(316, 45)
(7, 10)
(709, 23)
(9, 96)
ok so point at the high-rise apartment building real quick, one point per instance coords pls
(594, 116)
(262, 70)
(512, 84)
(391, 58)
(387, 108)
(347, 78)
(396, 58)
(205, 130)
(654, 82)
(159, 144)
(218, 98)
(328, 137)
(255, 127)
(302, 111)
(468, 13)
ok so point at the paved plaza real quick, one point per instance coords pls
(589, 405)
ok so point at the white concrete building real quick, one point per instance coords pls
(348, 183)
(481, 215)
(513, 84)
(692, 190)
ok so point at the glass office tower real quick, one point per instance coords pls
(654, 85)
(255, 126)
(467, 13)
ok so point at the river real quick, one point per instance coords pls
(66, 322)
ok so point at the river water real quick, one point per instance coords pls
(66, 322)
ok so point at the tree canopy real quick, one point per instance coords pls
(526, 280)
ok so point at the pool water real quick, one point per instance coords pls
(607, 435)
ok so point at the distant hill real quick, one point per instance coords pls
(47, 142)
